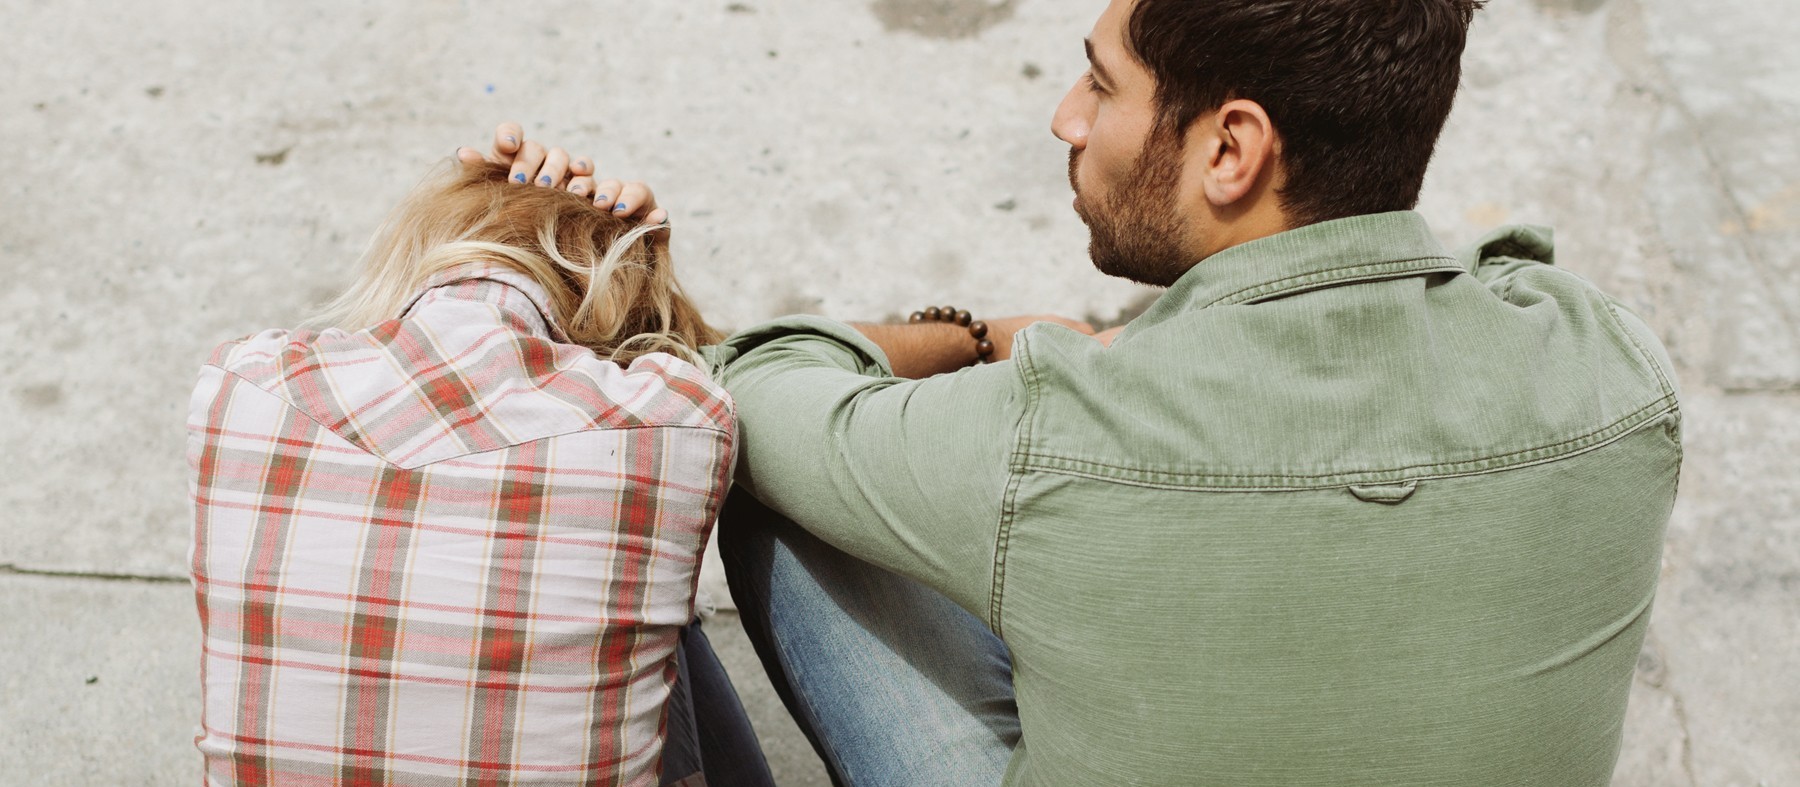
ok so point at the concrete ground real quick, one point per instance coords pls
(182, 173)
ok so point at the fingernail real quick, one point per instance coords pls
(520, 177)
(577, 188)
(619, 207)
(582, 162)
(512, 139)
(544, 180)
(602, 198)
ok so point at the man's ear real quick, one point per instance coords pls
(1237, 145)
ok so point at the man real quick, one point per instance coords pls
(1340, 508)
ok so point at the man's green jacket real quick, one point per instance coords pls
(1339, 509)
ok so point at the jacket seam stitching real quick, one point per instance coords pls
(1338, 275)
(1015, 474)
(1612, 311)
(1626, 425)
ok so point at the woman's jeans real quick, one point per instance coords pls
(707, 731)
(892, 682)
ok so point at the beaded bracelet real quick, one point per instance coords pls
(984, 347)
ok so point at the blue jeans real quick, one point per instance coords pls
(892, 682)
(707, 731)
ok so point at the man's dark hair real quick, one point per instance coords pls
(1358, 90)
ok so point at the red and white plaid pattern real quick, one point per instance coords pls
(449, 549)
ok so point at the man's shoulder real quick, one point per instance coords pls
(1436, 373)
(1518, 265)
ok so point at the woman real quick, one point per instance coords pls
(455, 536)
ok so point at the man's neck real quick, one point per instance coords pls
(1255, 225)
(1255, 215)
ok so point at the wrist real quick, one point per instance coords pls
(921, 350)
(950, 315)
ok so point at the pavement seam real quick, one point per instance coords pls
(1790, 390)
(9, 569)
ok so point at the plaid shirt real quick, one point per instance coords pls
(449, 549)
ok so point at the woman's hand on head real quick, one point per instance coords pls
(533, 164)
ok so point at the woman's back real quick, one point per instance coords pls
(452, 545)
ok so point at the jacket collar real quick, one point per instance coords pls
(1360, 248)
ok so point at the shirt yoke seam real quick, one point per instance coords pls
(1273, 482)
(303, 413)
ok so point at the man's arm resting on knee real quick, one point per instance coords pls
(907, 474)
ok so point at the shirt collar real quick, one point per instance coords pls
(520, 294)
(1359, 248)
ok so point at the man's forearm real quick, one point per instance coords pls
(918, 350)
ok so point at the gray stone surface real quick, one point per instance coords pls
(99, 682)
(181, 174)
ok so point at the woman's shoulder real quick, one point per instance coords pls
(655, 389)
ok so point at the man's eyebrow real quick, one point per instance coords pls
(1094, 62)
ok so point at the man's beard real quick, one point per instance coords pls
(1136, 231)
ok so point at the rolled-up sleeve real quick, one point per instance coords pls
(906, 474)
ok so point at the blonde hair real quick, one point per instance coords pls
(611, 285)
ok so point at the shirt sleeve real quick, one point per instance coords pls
(907, 474)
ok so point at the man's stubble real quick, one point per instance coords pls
(1136, 231)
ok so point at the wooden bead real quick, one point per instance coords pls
(984, 346)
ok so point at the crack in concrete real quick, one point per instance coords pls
(1647, 65)
(1673, 99)
(9, 569)
(1687, 736)
(1656, 676)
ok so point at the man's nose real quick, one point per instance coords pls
(1073, 118)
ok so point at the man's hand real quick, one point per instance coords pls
(554, 168)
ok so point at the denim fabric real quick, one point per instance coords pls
(1341, 508)
(681, 761)
(708, 738)
(894, 685)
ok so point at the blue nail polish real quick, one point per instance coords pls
(603, 198)
(512, 139)
(544, 180)
(620, 206)
(519, 177)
